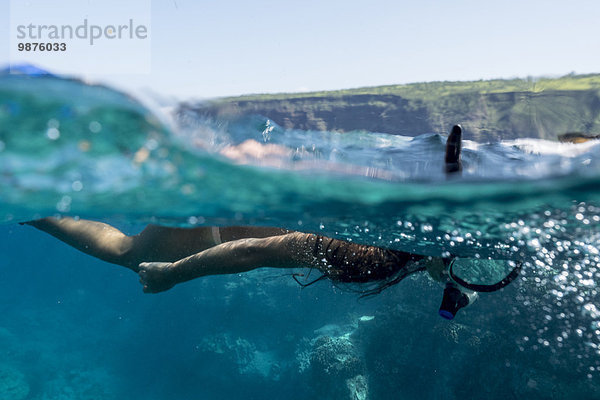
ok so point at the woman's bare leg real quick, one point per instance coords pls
(94, 238)
(154, 243)
(229, 233)
(293, 250)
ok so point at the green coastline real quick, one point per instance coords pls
(489, 110)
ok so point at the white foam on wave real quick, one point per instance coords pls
(548, 147)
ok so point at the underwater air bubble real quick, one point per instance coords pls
(95, 127)
(53, 133)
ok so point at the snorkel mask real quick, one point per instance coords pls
(466, 277)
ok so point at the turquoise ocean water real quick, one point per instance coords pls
(72, 327)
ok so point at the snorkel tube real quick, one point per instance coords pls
(459, 293)
(454, 297)
(452, 161)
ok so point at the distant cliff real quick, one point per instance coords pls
(488, 110)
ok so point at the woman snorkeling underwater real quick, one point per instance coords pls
(166, 256)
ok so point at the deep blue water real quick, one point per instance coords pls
(73, 327)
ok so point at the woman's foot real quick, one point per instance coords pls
(156, 276)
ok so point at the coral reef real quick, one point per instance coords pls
(79, 385)
(335, 358)
(241, 353)
(358, 387)
(13, 385)
(334, 364)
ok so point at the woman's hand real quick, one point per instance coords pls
(436, 268)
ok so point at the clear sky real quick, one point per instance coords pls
(205, 48)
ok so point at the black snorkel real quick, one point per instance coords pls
(454, 299)
(459, 293)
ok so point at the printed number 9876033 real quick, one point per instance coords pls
(42, 46)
